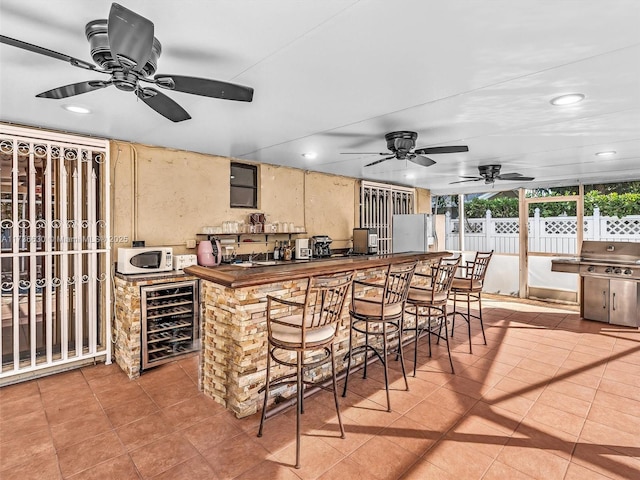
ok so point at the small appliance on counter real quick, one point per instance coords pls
(209, 253)
(321, 246)
(144, 260)
(365, 241)
(180, 262)
(303, 252)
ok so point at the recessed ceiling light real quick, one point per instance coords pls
(568, 99)
(409, 175)
(76, 109)
(606, 154)
(310, 155)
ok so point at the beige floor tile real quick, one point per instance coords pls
(550, 396)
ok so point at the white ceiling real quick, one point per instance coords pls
(334, 76)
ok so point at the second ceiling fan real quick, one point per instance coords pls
(401, 145)
(491, 173)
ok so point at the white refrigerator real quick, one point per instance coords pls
(412, 232)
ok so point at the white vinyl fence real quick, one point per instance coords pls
(546, 234)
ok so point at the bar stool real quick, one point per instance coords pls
(307, 328)
(469, 289)
(380, 315)
(430, 301)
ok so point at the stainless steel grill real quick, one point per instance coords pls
(610, 273)
(611, 259)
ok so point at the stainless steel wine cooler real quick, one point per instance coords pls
(170, 321)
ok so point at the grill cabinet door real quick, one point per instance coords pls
(595, 299)
(624, 302)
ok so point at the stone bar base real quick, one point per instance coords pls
(234, 341)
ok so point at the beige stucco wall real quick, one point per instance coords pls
(166, 196)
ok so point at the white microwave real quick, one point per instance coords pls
(145, 260)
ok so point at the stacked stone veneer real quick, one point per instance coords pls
(234, 341)
(128, 321)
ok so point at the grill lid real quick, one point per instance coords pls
(610, 252)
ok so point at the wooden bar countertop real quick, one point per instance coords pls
(236, 276)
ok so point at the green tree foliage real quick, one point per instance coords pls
(613, 204)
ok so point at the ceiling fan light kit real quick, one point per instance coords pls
(125, 48)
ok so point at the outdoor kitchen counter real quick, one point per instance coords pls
(233, 331)
(236, 276)
(566, 265)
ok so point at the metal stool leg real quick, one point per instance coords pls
(335, 390)
(346, 378)
(266, 393)
(480, 316)
(455, 310)
(468, 319)
(384, 363)
(404, 372)
(300, 394)
(446, 336)
(415, 344)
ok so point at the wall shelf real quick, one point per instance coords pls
(239, 237)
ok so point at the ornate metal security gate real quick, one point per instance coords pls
(55, 260)
(378, 203)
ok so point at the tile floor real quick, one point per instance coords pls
(550, 397)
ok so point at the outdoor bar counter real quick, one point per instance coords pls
(233, 331)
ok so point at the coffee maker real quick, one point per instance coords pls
(303, 252)
(320, 246)
(365, 241)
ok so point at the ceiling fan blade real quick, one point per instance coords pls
(474, 179)
(379, 161)
(509, 176)
(162, 104)
(49, 53)
(205, 87)
(364, 153)
(130, 37)
(74, 89)
(420, 160)
(447, 149)
(514, 176)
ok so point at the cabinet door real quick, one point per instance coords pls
(624, 303)
(595, 299)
